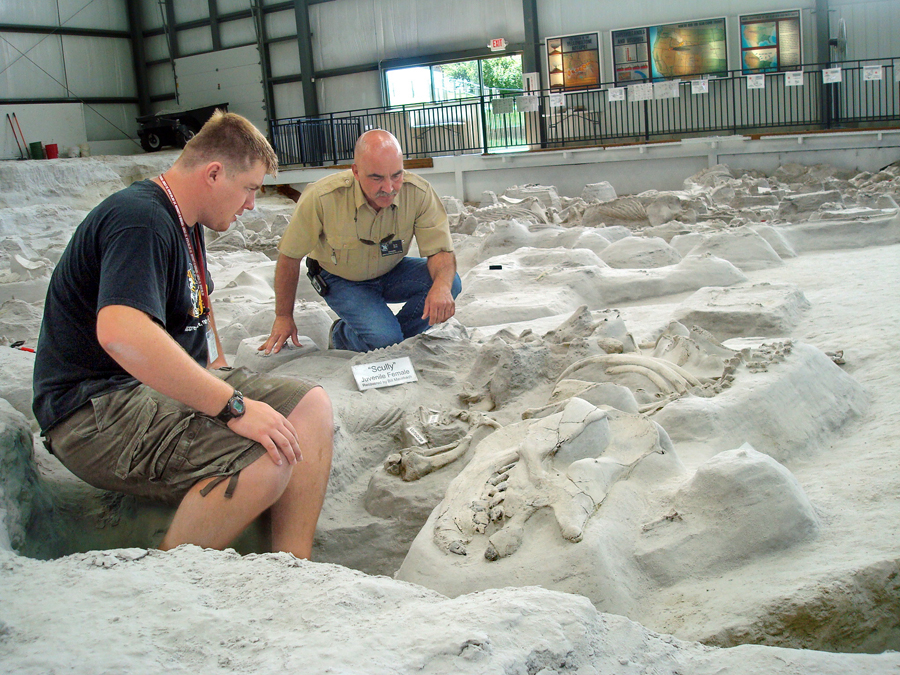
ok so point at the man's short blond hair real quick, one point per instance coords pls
(232, 140)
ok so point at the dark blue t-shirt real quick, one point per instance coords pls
(129, 250)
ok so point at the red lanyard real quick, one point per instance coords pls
(199, 270)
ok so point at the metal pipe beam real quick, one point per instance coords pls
(531, 57)
(138, 57)
(214, 25)
(62, 30)
(171, 30)
(79, 99)
(307, 69)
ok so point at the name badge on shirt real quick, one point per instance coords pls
(211, 344)
(391, 247)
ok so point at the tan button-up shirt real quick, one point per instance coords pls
(333, 217)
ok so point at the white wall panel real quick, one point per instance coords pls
(156, 47)
(191, 10)
(31, 66)
(60, 123)
(345, 33)
(349, 92)
(161, 80)
(872, 28)
(152, 14)
(227, 6)
(99, 66)
(104, 14)
(230, 76)
(284, 58)
(110, 122)
(194, 41)
(353, 32)
(289, 100)
(236, 33)
(280, 24)
(33, 13)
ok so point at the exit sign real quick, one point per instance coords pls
(498, 44)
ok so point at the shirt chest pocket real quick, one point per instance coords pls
(342, 241)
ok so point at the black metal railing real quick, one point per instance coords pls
(498, 122)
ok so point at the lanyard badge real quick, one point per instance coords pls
(196, 256)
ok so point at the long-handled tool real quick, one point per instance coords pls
(18, 145)
(24, 142)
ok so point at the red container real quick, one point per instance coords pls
(52, 150)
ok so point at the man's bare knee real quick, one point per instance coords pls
(316, 403)
(266, 479)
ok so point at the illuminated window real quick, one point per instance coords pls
(456, 80)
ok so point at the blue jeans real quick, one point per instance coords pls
(366, 322)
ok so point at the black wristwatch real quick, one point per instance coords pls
(234, 408)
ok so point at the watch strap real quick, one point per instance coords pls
(233, 409)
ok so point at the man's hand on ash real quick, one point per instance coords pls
(283, 328)
(269, 428)
(439, 305)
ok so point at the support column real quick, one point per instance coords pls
(531, 58)
(307, 70)
(214, 25)
(138, 56)
(262, 40)
(174, 53)
(823, 56)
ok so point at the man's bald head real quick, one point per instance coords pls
(378, 167)
(376, 142)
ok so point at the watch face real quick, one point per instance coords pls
(237, 406)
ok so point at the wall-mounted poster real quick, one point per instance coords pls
(770, 42)
(675, 50)
(573, 61)
(630, 55)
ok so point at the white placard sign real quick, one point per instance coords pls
(384, 373)
(793, 79)
(756, 82)
(501, 106)
(872, 73)
(417, 435)
(527, 103)
(616, 94)
(667, 89)
(699, 86)
(832, 75)
(557, 100)
(640, 92)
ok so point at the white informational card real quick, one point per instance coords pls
(832, 75)
(501, 106)
(756, 81)
(557, 100)
(699, 86)
(640, 92)
(872, 73)
(793, 79)
(527, 103)
(384, 373)
(616, 94)
(668, 89)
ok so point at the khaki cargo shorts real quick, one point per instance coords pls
(143, 443)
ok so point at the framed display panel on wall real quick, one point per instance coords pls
(573, 61)
(770, 42)
(674, 50)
